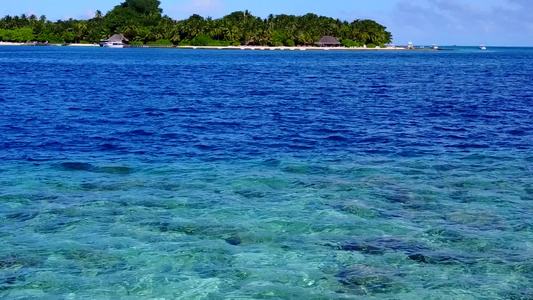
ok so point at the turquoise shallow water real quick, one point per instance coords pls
(232, 175)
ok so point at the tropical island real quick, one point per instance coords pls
(142, 22)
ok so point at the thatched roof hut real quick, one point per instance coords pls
(117, 38)
(328, 41)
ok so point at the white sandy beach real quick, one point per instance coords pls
(33, 44)
(10, 44)
(83, 45)
(282, 48)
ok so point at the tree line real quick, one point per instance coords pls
(143, 22)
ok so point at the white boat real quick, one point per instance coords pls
(113, 45)
(482, 47)
(115, 41)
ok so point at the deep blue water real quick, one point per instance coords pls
(183, 174)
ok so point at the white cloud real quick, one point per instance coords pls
(89, 13)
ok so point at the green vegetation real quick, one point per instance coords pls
(350, 43)
(17, 35)
(142, 22)
(203, 39)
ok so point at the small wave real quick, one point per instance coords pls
(335, 131)
(456, 137)
(397, 112)
(63, 127)
(260, 93)
(466, 146)
(204, 147)
(155, 114)
(32, 159)
(301, 147)
(336, 138)
(51, 144)
(229, 124)
(108, 146)
(461, 129)
(517, 132)
(379, 86)
(23, 216)
(492, 116)
(376, 139)
(171, 135)
(139, 132)
(409, 153)
(199, 127)
(438, 115)
(378, 151)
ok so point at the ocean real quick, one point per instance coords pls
(199, 174)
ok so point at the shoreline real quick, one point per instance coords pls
(248, 48)
(41, 44)
(279, 48)
(11, 44)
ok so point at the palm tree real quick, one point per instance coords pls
(80, 30)
(175, 34)
(23, 21)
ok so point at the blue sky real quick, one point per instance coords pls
(442, 22)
